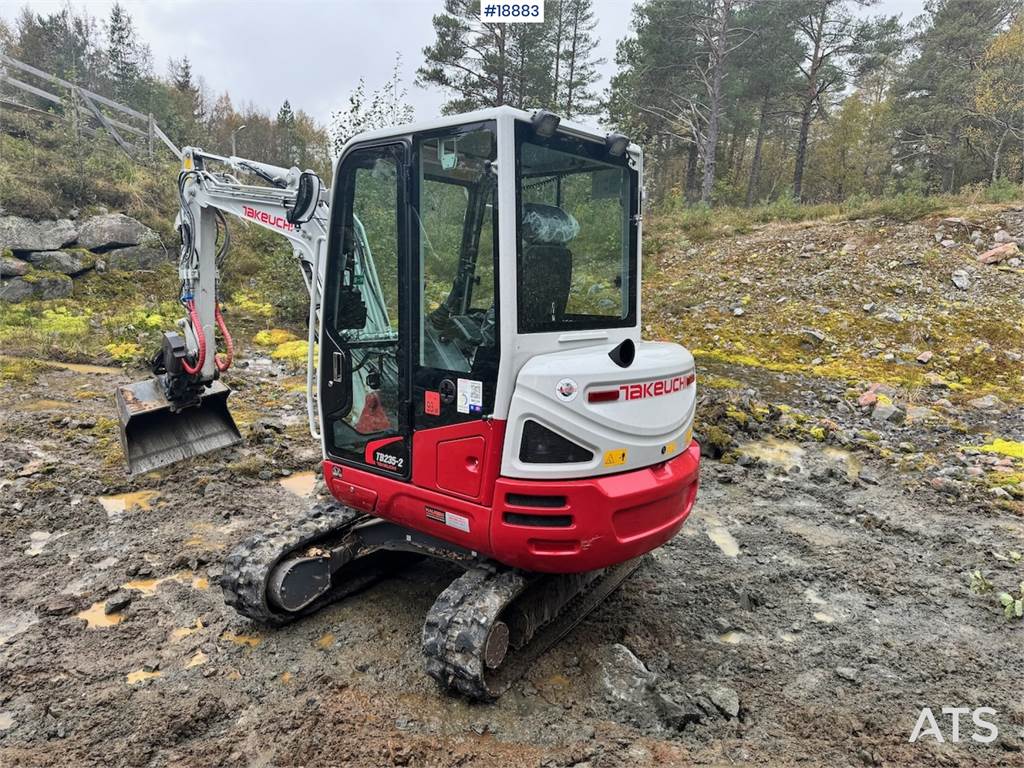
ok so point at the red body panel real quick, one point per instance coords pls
(457, 495)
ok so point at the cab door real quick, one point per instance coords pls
(364, 356)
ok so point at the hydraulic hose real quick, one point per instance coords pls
(223, 363)
(197, 328)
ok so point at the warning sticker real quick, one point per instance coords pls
(470, 396)
(432, 403)
(452, 520)
(456, 521)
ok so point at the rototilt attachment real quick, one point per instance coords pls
(156, 433)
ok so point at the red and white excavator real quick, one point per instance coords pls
(482, 393)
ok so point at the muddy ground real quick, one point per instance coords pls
(816, 600)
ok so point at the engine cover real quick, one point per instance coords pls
(626, 418)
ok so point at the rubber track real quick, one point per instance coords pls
(456, 628)
(247, 569)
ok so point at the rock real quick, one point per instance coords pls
(869, 307)
(868, 398)
(725, 699)
(20, 234)
(892, 316)
(920, 413)
(675, 714)
(848, 673)
(12, 267)
(986, 403)
(624, 678)
(948, 243)
(738, 311)
(1002, 237)
(65, 262)
(59, 605)
(961, 280)
(999, 253)
(114, 230)
(137, 257)
(925, 357)
(117, 602)
(887, 412)
(811, 337)
(36, 286)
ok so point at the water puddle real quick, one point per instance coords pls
(96, 617)
(733, 637)
(38, 541)
(720, 535)
(199, 659)
(325, 642)
(851, 461)
(42, 406)
(207, 536)
(125, 502)
(6, 721)
(85, 368)
(772, 450)
(14, 624)
(301, 483)
(149, 586)
(180, 633)
(248, 641)
(139, 675)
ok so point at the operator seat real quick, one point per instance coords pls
(545, 268)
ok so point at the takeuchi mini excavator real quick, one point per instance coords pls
(480, 389)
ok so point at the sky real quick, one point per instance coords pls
(313, 52)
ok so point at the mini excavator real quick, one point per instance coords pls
(475, 377)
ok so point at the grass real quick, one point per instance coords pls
(701, 223)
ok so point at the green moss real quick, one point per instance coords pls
(1011, 448)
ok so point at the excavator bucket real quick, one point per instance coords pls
(154, 436)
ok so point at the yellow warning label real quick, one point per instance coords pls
(670, 448)
(688, 437)
(615, 458)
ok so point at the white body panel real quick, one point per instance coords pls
(649, 427)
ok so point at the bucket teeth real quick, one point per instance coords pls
(155, 435)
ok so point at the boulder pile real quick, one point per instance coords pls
(38, 259)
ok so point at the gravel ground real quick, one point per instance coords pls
(814, 603)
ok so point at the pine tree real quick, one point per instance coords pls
(128, 59)
(575, 61)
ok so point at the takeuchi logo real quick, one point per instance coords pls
(656, 388)
(278, 222)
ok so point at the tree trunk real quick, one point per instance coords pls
(949, 171)
(716, 60)
(691, 187)
(999, 152)
(806, 115)
(755, 164)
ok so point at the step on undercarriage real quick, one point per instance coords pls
(482, 633)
